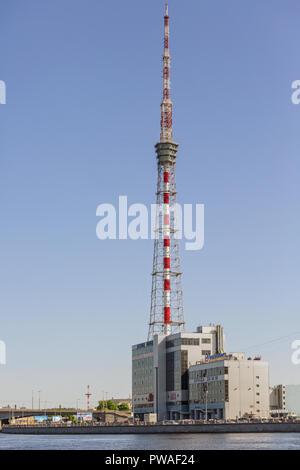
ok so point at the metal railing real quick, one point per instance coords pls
(161, 423)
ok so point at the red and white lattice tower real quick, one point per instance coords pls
(88, 395)
(166, 316)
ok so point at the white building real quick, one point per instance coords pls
(285, 400)
(277, 401)
(229, 387)
(160, 370)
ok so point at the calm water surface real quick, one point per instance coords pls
(152, 442)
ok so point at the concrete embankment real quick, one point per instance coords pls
(157, 429)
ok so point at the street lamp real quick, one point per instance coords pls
(206, 394)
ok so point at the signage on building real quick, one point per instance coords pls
(84, 416)
(214, 356)
(40, 419)
(56, 419)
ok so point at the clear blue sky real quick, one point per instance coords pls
(79, 127)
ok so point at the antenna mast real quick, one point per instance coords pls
(166, 315)
(88, 395)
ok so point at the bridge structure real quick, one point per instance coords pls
(7, 414)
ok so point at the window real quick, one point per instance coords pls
(190, 341)
(206, 352)
(170, 371)
(182, 341)
(226, 391)
(184, 371)
(206, 340)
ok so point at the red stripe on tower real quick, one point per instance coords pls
(166, 72)
(167, 284)
(166, 263)
(166, 177)
(167, 315)
(166, 242)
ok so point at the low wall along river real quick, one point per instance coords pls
(155, 429)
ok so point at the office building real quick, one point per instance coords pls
(160, 370)
(229, 387)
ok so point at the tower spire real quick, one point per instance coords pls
(166, 134)
(166, 315)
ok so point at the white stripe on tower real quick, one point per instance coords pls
(166, 251)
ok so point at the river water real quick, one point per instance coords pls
(153, 442)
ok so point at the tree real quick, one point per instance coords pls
(101, 406)
(110, 404)
(123, 407)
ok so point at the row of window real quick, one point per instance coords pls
(177, 403)
(202, 400)
(142, 352)
(144, 345)
(143, 405)
(144, 363)
(213, 371)
(187, 342)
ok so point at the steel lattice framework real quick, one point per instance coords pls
(166, 315)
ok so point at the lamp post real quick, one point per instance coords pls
(206, 395)
(103, 412)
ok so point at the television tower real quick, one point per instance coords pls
(166, 315)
